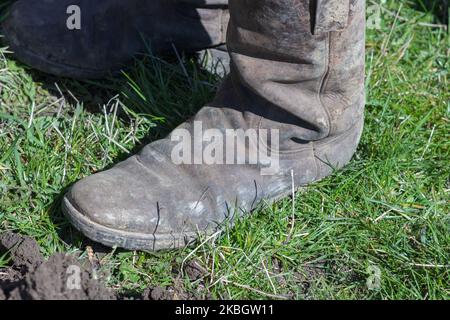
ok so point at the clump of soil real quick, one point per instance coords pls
(65, 277)
(171, 293)
(30, 277)
(25, 252)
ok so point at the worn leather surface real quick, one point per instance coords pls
(331, 15)
(112, 32)
(284, 76)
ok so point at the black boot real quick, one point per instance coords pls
(89, 39)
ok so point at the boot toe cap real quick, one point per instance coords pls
(114, 200)
(132, 207)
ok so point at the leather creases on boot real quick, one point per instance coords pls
(297, 82)
(90, 39)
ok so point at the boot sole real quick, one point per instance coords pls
(134, 240)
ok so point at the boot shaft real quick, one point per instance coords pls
(303, 61)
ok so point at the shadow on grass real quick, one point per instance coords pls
(165, 90)
(439, 9)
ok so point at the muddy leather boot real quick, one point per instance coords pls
(296, 92)
(90, 39)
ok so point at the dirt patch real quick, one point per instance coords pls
(61, 278)
(194, 270)
(303, 277)
(66, 277)
(171, 293)
(30, 277)
(25, 252)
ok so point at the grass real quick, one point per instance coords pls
(387, 212)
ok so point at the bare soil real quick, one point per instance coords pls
(31, 277)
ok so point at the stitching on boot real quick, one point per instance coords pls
(224, 20)
(324, 82)
(314, 150)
